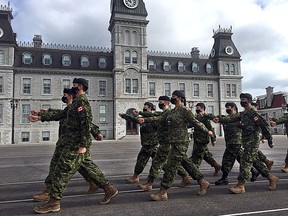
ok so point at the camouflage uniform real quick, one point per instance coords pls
(176, 122)
(75, 134)
(251, 123)
(149, 143)
(283, 120)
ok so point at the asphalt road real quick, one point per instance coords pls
(23, 169)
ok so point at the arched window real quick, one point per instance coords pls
(181, 66)
(227, 69)
(151, 65)
(27, 58)
(127, 57)
(134, 38)
(134, 57)
(209, 68)
(166, 66)
(46, 59)
(84, 61)
(66, 60)
(102, 62)
(233, 72)
(195, 67)
(127, 37)
(1, 57)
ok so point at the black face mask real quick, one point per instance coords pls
(229, 111)
(161, 105)
(75, 90)
(244, 103)
(64, 99)
(198, 111)
(145, 110)
(173, 100)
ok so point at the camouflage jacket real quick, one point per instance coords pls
(199, 135)
(175, 122)
(232, 133)
(282, 120)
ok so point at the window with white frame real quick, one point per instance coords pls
(195, 67)
(104, 133)
(209, 68)
(127, 37)
(46, 86)
(227, 69)
(134, 38)
(131, 86)
(182, 87)
(27, 58)
(228, 90)
(233, 90)
(210, 90)
(151, 65)
(166, 66)
(233, 72)
(1, 85)
(196, 92)
(181, 66)
(66, 83)
(134, 57)
(26, 86)
(84, 61)
(152, 89)
(210, 109)
(127, 57)
(167, 89)
(1, 113)
(25, 113)
(46, 59)
(102, 62)
(25, 136)
(2, 57)
(45, 135)
(102, 113)
(102, 88)
(66, 60)
(135, 85)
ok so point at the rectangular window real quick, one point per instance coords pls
(1, 113)
(210, 90)
(1, 85)
(233, 90)
(46, 86)
(66, 83)
(26, 86)
(135, 86)
(102, 113)
(228, 90)
(25, 136)
(131, 86)
(182, 87)
(196, 90)
(102, 88)
(128, 85)
(152, 90)
(167, 89)
(25, 113)
(210, 109)
(45, 135)
(104, 133)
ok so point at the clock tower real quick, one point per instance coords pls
(129, 45)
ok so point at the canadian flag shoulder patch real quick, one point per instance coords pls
(80, 108)
(255, 118)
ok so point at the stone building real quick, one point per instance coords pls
(33, 75)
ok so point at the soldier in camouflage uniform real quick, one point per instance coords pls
(149, 142)
(176, 122)
(251, 124)
(77, 141)
(160, 158)
(201, 140)
(67, 98)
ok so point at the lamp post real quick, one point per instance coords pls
(14, 105)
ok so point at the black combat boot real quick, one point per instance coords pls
(223, 180)
(255, 174)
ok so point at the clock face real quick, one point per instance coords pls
(131, 3)
(1, 32)
(229, 50)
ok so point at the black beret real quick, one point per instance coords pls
(68, 91)
(149, 104)
(179, 94)
(81, 81)
(246, 95)
(232, 104)
(202, 105)
(164, 98)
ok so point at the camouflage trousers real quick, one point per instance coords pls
(67, 165)
(261, 156)
(231, 153)
(146, 152)
(250, 158)
(201, 152)
(178, 156)
(159, 163)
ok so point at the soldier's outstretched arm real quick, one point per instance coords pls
(95, 131)
(192, 121)
(229, 119)
(55, 115)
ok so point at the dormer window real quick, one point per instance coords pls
(66, 60)
(27, 58)
(195, 67)
(85, 61)
(166, 66)
(46, 59)
(209, 68)
(151, 65)
(181, 66)
(102, 62)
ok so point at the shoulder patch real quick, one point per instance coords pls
(256, 118)
(80, 108)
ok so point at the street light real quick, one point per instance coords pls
(14, 105)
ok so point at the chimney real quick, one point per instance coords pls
(269, 95)
(37, 40)
(195, 53)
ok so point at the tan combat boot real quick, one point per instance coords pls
(44, 196)
(110, 192)
(217, 168)
(160, 196)
(273, 182)
(92, 188)
(185, 181)
(133, 179)
(204, 185)
(269, 164)
(52, 206)
(285, 169)
(239, 188)
(146, 187)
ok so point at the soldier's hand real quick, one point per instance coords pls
(81, 150)
(210, 133)
(34, 118)
(99, 137)
(34, 112)
(136, 112)
(272, 123)
(270, 144)
(141, 120)
(121, 115)
(215, 120)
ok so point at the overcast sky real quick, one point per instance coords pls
(259, 27)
